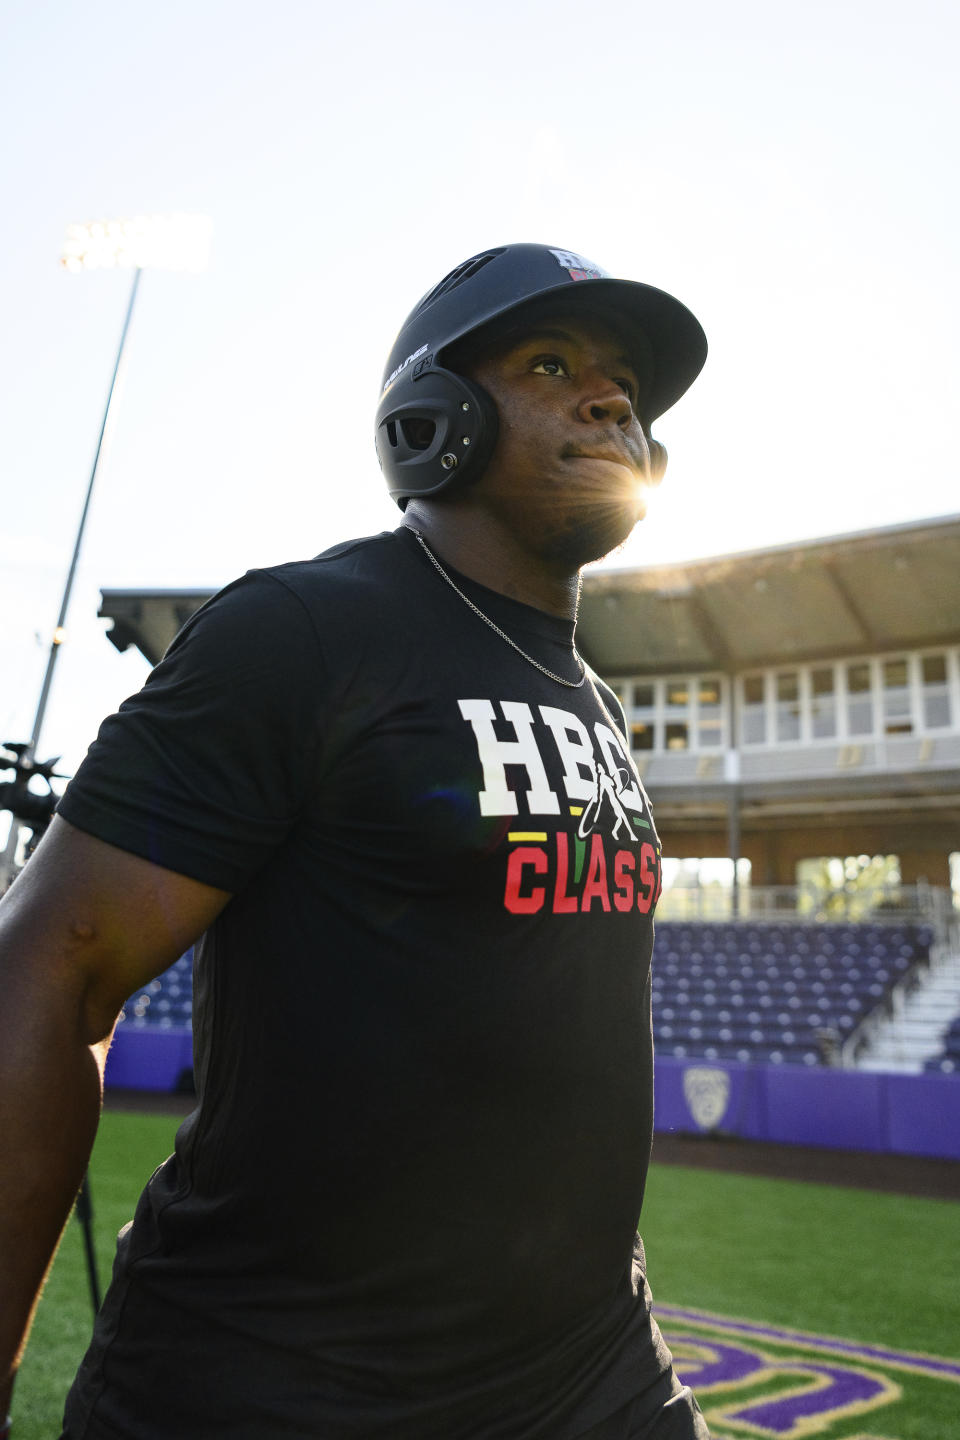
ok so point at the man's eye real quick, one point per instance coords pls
(627, 386)
(550, 365)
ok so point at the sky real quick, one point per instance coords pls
(788, 171)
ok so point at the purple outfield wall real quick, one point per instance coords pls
(148, 1059)
(790, 1104)
(839, 1109)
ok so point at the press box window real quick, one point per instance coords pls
(859, 700)
(896, 698)
(642, 736)
(677, 735)
(936, 692)
(677, 702)
(753, 720)
(823, 704)
(643, 729)
(709, 714)
(788, 705)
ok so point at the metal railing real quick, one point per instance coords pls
(793, 903)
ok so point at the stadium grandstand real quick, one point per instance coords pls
(795, 715)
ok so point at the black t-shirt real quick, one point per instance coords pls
(407, 1200)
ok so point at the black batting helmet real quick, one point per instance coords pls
(435, 427)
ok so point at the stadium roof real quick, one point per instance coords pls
(148, 619)
(867, 592)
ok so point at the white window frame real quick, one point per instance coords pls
(660, 714)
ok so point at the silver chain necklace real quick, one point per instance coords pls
(570, 684)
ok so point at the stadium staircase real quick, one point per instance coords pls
(922, 1030)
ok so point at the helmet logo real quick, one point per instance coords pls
(404, 363)
(577, 267)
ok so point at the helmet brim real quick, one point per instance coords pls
(658, 328)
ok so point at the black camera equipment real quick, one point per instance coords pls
(25, 804)
(36, 811)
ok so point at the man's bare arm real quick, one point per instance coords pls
(82, 928)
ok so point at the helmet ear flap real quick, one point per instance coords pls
(658, 459)
(434, 431)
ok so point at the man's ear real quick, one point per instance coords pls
(658, 459)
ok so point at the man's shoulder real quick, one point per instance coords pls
(371, 565)
(279, 606)
(370, 558)
(356, 585)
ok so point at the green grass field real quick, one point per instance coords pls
(878, 1269)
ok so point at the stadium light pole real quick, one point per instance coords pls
(732, 777)
(59, 633)
(157, 242)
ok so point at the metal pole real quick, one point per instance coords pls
(61, 619)
(733, 794)
(9, 854)
(733, 844)
(84, 1212)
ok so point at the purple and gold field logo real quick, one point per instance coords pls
(763, 1380)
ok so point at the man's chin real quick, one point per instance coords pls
(591, 540)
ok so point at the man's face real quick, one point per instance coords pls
(571, 466)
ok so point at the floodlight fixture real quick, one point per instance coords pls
(147, 242)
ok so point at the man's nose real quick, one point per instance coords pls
(604, 400)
